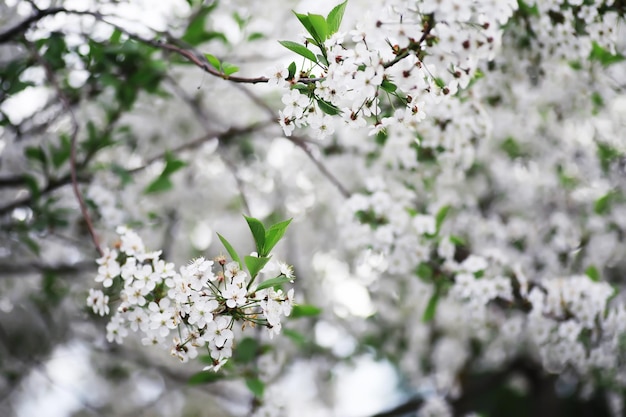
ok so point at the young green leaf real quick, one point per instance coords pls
(274, 282)
(604, 56)
(441, 216)
(258, 232)
(292, 71)
(159, 185)
(229, 248)
(304, 310)
(306, 22)
(593, 273)
(273, 236)
(431, 308)
(255, 264)
(299, 49)
(215, 63)
(333, 20)
(320, 26)
(229, 69)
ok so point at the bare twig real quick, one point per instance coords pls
(221, 136)
(302, 143)
(74, 134)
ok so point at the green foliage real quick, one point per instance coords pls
(255, 264)
(256, 386)
(162, 182)
(603, 56)
(196, 32)
(205, 377)
(334, 18)
(327, 108)
(247, 350)
(431, 308)
(305, 310)
(229, 248)
(593, 273)
(299, 49)
(273, 282)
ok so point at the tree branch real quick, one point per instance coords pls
(73, 135)
(23, 26)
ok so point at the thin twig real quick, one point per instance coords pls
(221, 136)
(74, 134)
(302, 143)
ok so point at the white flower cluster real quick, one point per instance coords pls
(195, 307)
(412, 55)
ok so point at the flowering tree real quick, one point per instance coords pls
(447, 179)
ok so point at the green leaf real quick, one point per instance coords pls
(196, 32)
(457, 240)
(246, 351)
(320, 26)
(273, 236)
(603, 56)
(229, 248)
(36, 153)
(299, 49)
(304, 310)
(296, 337)
(255, 264)
(123, 174)
(306, 22)
(229, 69)
(205, 377)
(425, 272)
(62, 153)
(322, 59)
(256, 386)
(172, 165)
(327, 108)
(159, 185)
(215, 63)
(333, 20)
(258, 232)
(163, 182)
(388, 86)
(32, 185)
(441, 216)
(255, 36)
(431, 308)
(292, 71)
(593, 273)
(274, 282)
(603, 204)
